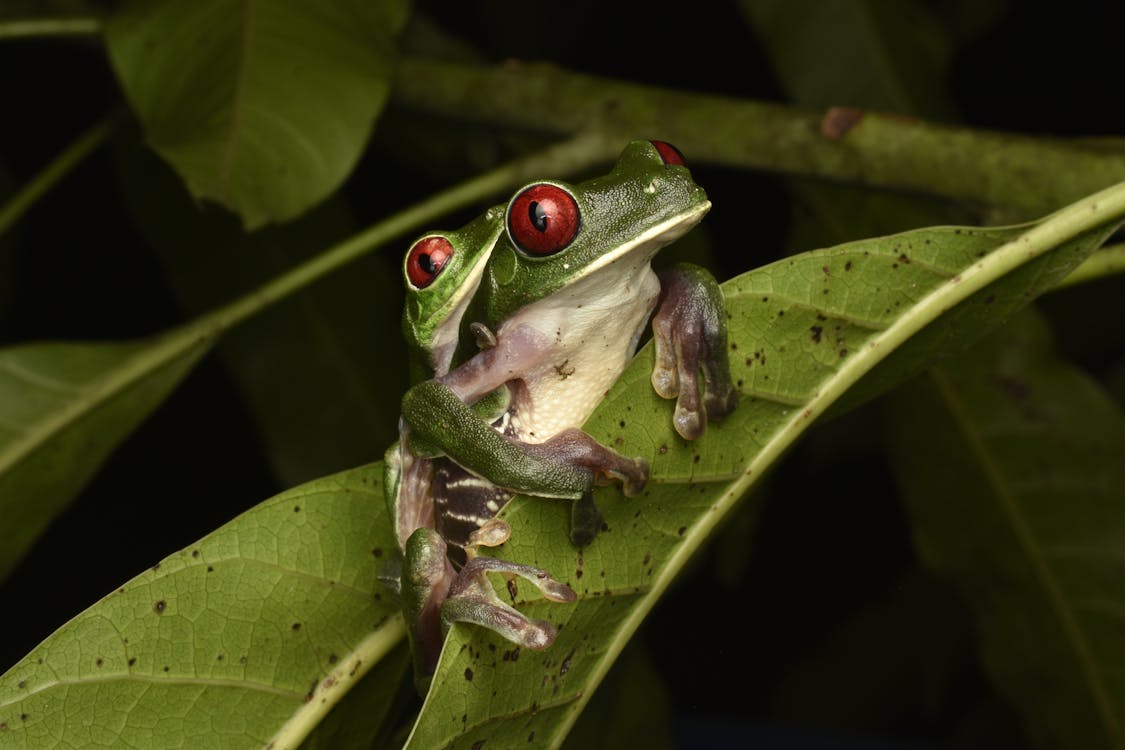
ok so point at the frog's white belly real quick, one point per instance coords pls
(592, 328)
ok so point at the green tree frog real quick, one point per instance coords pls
(564, 292)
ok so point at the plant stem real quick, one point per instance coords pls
(39, 27)
(1032, 175)
(56, 169)
(567, 157)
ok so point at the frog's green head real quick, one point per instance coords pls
(442, 271)
(559, 234)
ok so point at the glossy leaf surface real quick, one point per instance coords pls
(248, 637)
(264, 107)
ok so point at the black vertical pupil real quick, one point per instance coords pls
(426, 262)
(538, 215)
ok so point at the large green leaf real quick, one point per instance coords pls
(803, 331)
(1025, 513)
(262, 106)
(247, 638)
(63, 408)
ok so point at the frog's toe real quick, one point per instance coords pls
(500, 618)
(472, 599)
(492, 533)
(689, 423)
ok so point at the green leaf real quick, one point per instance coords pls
(247, 638)
(264, 107)
(803, 331)
(63, 408)
(1016, 491)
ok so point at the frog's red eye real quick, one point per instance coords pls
(543, 219)
(669, 153)
(425, 260)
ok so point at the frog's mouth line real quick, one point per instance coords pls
(656, 236)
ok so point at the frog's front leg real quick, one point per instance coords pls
(434, 596)
(690, 337)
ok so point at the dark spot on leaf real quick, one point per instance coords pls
(816, 331)
(903, 259)
(355, 667)
(564, 667)
(23, 717)
(332, 658)
(132, 660)
(159, 607)
(3, 726)
(848, 266)
(531, 737)
(195, 553)
(210, 569)
(843, 353)
(695, 458)
(21, 684)
(621, 423)
(167, 668)
(734, 346)
(296, 508)
(377, 552)
(220, 657)
(578, 573)
(681, 530)
(99, 661)
(781, 313)
(468, 674)
(242, 659)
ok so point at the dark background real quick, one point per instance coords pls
(811, 604)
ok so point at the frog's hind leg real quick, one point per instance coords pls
(472, 599)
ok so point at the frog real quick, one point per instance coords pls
(564, 296)
(441, 270)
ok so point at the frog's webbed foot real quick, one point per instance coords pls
(690, 337)
(472, 599)
(434, 596)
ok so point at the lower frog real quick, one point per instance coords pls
(562, 301)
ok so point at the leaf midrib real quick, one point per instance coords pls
(99, 392)
(1027, 543)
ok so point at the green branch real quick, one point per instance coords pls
(24, 28)
(1032, 175)
(56, 169)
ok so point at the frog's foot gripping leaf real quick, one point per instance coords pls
(435, 596)
(690, 336)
